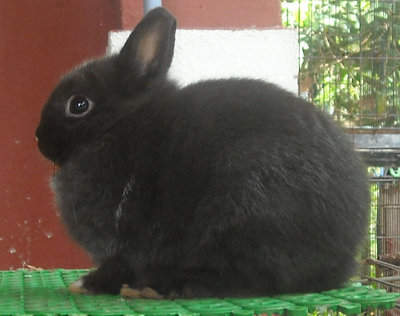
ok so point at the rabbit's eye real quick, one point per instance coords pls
(78, 105)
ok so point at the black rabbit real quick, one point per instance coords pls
(229, 187)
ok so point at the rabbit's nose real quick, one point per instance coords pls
(37, 132)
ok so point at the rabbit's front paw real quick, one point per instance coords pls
(94, 283)
(78, 287)
(108, 278)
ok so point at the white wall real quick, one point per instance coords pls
(271, 55)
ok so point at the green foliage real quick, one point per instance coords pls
(351, 57)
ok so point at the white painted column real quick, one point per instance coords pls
(270, 55)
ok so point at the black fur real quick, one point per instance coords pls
(223, 188)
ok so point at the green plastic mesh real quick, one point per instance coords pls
(45, 292)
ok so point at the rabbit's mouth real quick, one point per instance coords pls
(50, 149)
(49, 152)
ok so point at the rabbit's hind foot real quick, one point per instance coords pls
(146, 292)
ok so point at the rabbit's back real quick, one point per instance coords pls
(267, 177)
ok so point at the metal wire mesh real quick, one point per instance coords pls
(350, 58)
(385, 226)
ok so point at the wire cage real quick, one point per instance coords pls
(388, 215)
(349, 58)
(384, 245)
(385, 222)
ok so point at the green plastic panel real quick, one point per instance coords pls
(44, 292)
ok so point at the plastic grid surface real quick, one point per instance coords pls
(45, 292)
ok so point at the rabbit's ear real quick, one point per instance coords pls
(149, 49)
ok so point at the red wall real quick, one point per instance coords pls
(226, 14)
(39, 41)
(215, 14)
